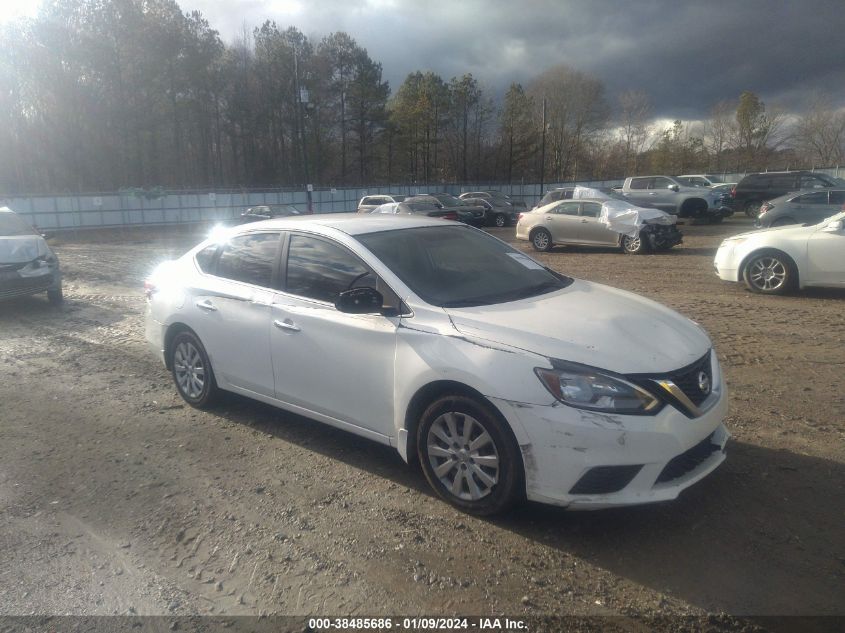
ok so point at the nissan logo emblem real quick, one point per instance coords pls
(704, 382)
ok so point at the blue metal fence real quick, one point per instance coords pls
(121, 209)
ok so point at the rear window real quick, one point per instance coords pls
(12, 224)
(639, 183)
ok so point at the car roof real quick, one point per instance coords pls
(349, 223)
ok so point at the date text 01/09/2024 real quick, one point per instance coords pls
(417, 623)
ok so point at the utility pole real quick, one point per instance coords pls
(301, 101)
(543, 152)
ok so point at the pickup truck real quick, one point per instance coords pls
(672, 196)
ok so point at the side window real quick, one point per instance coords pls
(249, 258)
(812, 182)
(591, 209)
(817, 197)
(319, 269)
(567, 208)
(837, 197)
(660, 183)
(205, 259)
(639, 183)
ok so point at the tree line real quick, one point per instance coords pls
(100, 95)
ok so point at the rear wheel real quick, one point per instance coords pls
(541, 240)
(469, 456)
(500, 220)
(770, 273)
(752, 208)
(192, 371)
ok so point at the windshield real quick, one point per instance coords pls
(448, 200)
(12, 225)
(453, 267)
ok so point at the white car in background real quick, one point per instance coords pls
(777, 260)
(502, 377)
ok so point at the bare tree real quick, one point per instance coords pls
(819, 134)
(635, 113)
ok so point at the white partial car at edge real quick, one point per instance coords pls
(777, 260)
(504, 378)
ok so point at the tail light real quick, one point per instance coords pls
(450, 216)
(733, 191)
(519, 219)
(764, 208)
(149, 288)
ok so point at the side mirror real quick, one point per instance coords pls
(360, 301)
(675, 188)
(835, 226)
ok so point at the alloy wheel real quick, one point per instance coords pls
(463, 456)
(189, 369)
(767, 274)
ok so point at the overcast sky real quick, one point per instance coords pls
(687, 54)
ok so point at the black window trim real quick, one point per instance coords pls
(404, 310)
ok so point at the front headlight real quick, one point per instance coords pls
(584, 387)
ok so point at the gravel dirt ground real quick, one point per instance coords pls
(117, 498)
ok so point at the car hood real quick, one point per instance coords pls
(18, 249)
(591, 324)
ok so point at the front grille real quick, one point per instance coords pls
(604, 480)
(6, 268)
(688, 379)
(688, 460)
(24, 286)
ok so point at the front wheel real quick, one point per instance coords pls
(55, 296)
(634, 245)
(192, 371)
(500, 220)
(469, 456)
(769, 273)
(541, 240)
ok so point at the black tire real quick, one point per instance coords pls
(181, 359)
(469, 477)
(752, 208)
(769, 272)
(541, 240)
(55, 296)
(634, 245)
(500, 220)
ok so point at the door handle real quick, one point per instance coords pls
(548, 217)
(206, 305)
(287, 324)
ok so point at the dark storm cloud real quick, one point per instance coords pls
(686, 55)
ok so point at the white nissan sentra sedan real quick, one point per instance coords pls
(504, 378)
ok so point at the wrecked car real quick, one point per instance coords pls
(27, 264)
(592, 217)
(505, 379)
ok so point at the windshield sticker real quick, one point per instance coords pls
(526, 261)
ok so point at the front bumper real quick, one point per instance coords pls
(725, 263)
(656, 456)
(23, 280)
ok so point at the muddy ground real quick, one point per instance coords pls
(118, 498)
